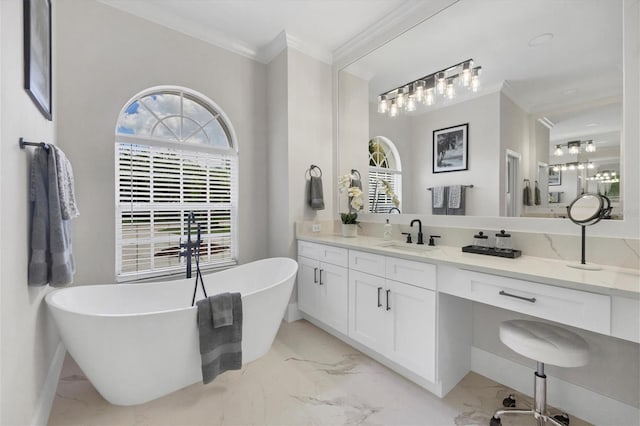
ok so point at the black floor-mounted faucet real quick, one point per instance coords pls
(189, 245)
(420, 236)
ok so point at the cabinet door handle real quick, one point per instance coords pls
(321, 277)
(526, 299)
(388, 307)
(315, 275)
(379, 304)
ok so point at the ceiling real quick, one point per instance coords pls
(249, 27)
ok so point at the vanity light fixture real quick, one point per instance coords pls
(572, 166)
(426, 90)
(573, 147)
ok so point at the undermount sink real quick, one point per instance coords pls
(407, 246)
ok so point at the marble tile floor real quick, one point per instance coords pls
(307, 378)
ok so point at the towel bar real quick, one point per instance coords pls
(23, 143)
(466, 186)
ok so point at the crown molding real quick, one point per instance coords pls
(285, 40)
(178, 24)
(402, 19)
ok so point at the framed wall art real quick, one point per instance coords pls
(37, 53)
(451, 149)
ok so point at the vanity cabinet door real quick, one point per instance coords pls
(412, 316)
(308, 288)
(333, 291)
(367, 320)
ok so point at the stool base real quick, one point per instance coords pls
(539, 410)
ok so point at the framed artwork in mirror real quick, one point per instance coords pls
(37, 53)
(451, 149)
(555, 178)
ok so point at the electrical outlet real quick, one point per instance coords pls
(316, 227)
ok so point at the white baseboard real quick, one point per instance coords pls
(292, 313)
(586, 404)
(48, 391)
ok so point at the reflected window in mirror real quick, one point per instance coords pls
(385, 176)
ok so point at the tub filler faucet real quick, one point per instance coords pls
(187, 249)
(193, 248)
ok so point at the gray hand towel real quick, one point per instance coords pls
(220, 348)
(460, 210)
(526, 194)
(62, 266)
(438, 200)
(316, 197)
(51, 255)
(536, 192)
(66, 188)
(455, 192)
(221, 310)
(40, 256)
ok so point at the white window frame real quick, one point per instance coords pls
(231, 152)
(393, 156)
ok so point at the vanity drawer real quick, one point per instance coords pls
(408, 271)
(577, 308)
(369, 263)
(334, 255)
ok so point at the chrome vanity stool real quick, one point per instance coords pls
(547, 344)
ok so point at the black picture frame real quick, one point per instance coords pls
(37, 53)
(555, 178)
(451, 149)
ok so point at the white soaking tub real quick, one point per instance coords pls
(138, 342)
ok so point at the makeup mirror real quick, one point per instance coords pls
(587, 210)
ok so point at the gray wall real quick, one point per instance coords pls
(104, 58)
(28, 339)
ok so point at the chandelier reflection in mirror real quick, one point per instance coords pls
(429, 89)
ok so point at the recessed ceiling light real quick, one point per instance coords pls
(592, 124)
(540, 39)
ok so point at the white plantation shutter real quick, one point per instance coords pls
(384, 164)
(157, 185)
(379, 202)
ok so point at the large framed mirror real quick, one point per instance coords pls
(546, 118)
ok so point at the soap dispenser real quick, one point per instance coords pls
(388, 232)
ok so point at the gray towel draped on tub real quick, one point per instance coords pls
(51, 258)
(220, 344)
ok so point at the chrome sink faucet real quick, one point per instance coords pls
(420, 235)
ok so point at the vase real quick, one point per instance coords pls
(349, 230)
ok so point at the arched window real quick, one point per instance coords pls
(175, 153)
(385, 175)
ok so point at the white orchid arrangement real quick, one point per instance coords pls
(355, 199)
(386, 188)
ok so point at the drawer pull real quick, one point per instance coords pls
(321, 278)
(388, 307)
(315, 275)
(527, 299)
(379, 304)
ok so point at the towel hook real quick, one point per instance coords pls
(311, 169)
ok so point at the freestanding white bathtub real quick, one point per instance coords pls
(138, 342)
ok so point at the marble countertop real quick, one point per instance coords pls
(609, 280)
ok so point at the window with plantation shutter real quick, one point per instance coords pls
(174, 155)
(385, 176)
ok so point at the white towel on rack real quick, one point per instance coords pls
(454, 196)
(438, 196)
